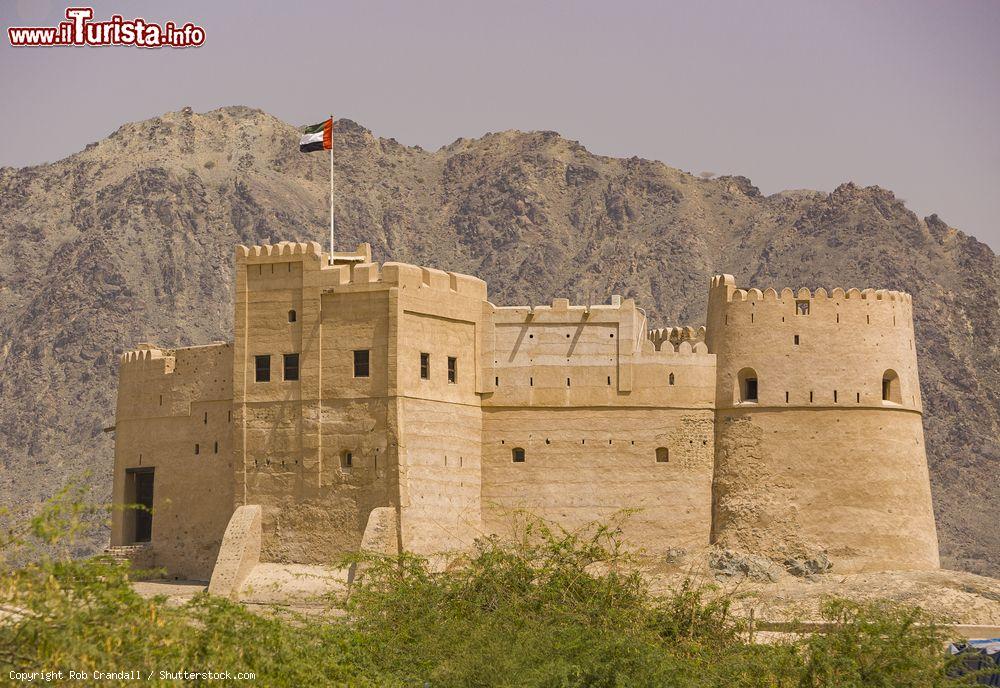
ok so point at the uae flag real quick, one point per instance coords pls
(317, 137)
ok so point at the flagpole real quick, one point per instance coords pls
(332, 219)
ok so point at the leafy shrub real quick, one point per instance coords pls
(551, 609)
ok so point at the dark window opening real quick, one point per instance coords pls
(206, 418)
(746, 386)
(810, 397)
(346, 459)
(496, 381)
(890, 387)
(452, 369)
(292, 317)
(835, 396)
(786, 397)
(795, 340)
(291, 366)
(868, 318)
(361, 363)
(425, 366)
(859, 397)
(670, 379)
(531, 382)
(161, 400)
(262, 368)
(229, 416)
(197, 449)
(216, 451)
(802, 307)
(609, 380)
(567, 382)
(662, 455)
(517, 455)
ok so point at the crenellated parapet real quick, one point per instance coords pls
(674, 337)
(283, 251)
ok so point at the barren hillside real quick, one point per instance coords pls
(132, 240)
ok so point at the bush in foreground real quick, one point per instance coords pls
(552, 609)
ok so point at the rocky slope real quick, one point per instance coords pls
(132, 238)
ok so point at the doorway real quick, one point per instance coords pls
(140, 484)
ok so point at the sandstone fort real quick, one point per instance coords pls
(396, 407)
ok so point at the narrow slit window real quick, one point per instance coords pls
(810, 397)
(795, 340)
(786, 397)
(670, 379)
(197, 449)
(452, 369)
(517, 455)
(425, 366)
(205, 420)
(262, 368)
(835, 396)
(291, 366)
(361, 363)
(215, 449)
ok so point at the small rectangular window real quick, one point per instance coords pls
(262, 366)
(802, 307)
(425, 366)
(796, 340)
(751, 390)
(361, 363)
(517, 455)
(291, 366)
(452, 369)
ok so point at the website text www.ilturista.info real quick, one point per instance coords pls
(79, 30)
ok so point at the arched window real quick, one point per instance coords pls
(662, 455)
(670, 379)
(291, 316)
(747, 385)
(890, 387)
(346, 459)
(517, 455)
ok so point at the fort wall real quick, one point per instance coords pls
(174, 419)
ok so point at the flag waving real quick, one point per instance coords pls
(317, 137)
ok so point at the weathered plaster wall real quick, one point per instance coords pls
(168, 402)
(589, 399)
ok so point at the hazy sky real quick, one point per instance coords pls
(793, 94)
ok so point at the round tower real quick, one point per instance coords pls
(819, 435)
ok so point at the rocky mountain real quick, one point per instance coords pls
(132, 240)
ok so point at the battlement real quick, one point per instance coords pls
(561, 310)
(787, 294)
(674, 337)
(283, 251)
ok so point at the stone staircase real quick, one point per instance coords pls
(139, 555)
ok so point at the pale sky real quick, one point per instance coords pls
(790, 93)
